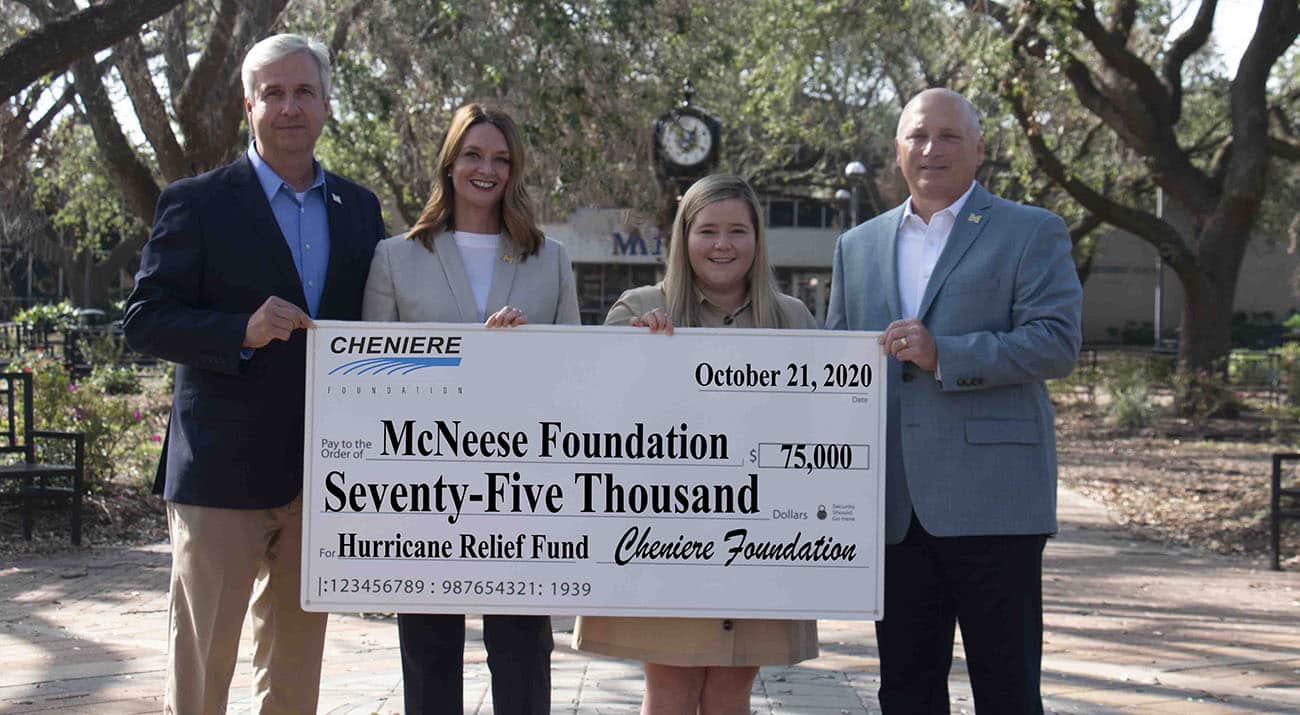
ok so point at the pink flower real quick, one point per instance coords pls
(72, 387)
(156, 438)
(137, 415)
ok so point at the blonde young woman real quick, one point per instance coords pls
(476, 254)
(718, 275)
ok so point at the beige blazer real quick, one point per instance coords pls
(408, 283)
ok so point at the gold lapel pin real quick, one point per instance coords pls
(974, 218)
(508, 258)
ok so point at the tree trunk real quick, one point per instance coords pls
(1207, 324)
(1209, 295)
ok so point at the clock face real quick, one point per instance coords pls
(685, 140)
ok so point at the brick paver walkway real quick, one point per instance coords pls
(1130, 627)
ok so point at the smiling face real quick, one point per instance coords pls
(938, 148)
(720, 244)
(288, 108)
(480, 172)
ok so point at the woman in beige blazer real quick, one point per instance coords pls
(718, 275)
(476, 254)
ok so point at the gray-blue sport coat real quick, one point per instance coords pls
(974, 454)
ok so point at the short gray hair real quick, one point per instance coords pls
(277, 47)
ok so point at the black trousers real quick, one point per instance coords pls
(433, 663)
(991, 586)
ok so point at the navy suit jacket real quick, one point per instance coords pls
(974, 454)
(235, 434)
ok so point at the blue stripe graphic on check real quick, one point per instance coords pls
(393, 365)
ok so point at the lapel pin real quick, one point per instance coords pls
(508, 258)
(336, 198)
(974, 218)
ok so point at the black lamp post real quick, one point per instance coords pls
(855, 172)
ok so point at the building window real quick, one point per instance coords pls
(600, 284)
(780, 212)
(802, 213)
(810, 214)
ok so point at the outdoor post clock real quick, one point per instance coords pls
(685, 149)
(686, 140)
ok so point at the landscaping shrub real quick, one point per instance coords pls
(1290, 353)
(1203, 394)
(49, 316)
(122, 431)
(117, 379)
(1128, 382)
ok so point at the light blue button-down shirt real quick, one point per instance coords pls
(304, 223)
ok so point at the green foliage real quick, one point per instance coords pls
(584, 81)
(104, 349)
(1128, 381)
(1254, 330)
(122, 435)
(1252, 370)
(1290, 366)
(76, 190)
(116, 379)
(48, 316)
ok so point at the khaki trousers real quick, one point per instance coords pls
(221, 558)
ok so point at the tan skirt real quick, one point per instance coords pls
(696, 642)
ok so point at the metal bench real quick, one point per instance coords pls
(39, 481)
(1284, 504)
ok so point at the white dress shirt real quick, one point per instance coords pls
(919, 246)
(478, 252)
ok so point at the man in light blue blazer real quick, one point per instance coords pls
(978, 301)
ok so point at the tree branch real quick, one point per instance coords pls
(1154, 230)
(149, 108)
(1132, 112)
(1151, 93)
(1125, 16)
(1276, 30)
(1079, 231)
(175, 49)
(1284, 148)
(57, 44)
(190, 104)
(342, 25)
(1193, 39)
(137, 184)
(18, 150)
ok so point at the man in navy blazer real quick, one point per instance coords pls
(978, 301)
(239, 261)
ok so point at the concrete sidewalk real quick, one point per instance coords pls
(1130, 627)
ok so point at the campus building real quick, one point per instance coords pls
(613, 250)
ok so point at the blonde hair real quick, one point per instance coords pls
(518, 218)
(680, 299)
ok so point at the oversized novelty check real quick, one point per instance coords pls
(593, 470)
